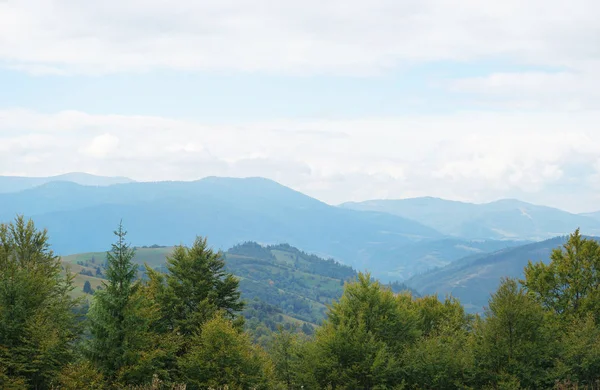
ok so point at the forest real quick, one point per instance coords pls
(181, 327)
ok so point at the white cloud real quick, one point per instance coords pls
(356, 36)
(466, 156)
(566, 90)
(101, 146)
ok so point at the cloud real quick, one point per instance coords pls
(352, 36)
(564, 90)
(101, 146)
(549, 158)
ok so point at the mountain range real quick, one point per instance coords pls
(227, 211)
(20, 183)
(393, 239)
(473, 278)
(503, 219)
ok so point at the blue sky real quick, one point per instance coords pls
(343, 100)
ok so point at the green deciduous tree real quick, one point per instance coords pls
(443, 357)
(570, 284)
(222, 355)
(360, 343)
(37, 320)
(580, 352)
(515, 342)
(285, 351)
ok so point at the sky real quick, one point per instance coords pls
(343, 100)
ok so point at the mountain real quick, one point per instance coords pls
(503, 219)
(293, 283)
(226, 210)
(20, 183)
(473, 278)
(594, 215)
(416, 258)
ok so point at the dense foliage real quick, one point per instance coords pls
(183, 328)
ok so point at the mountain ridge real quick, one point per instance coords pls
(500, 219)
(9, 184)
(226, 210)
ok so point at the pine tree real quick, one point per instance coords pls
(37, 320)
(87, 287)
(119, 318)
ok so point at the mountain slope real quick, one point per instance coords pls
(594, 215)
(20, 183)
(227, 211)
(297, 283)
(473, 278)
(503, 219)
(416, 258)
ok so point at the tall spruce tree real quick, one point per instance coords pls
(37, 320)
(119, 318)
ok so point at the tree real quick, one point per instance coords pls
(285, 353)
(569, 284)
(195, 287)
(87, 287)
(359, 344)
(221, 355)
(580, 353)
(515, 342)
(120, 318)
(37, 320)
(442, 358)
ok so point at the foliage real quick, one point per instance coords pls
(359, 343)
(183, 329)
(568, 285)
(222, 355)
(195, 288)
(37, 320)
(286, 352)
(516, 340)
(120, 318)
(81, 375)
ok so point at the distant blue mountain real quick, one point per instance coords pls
(228, 211)
(594, 215)
(503, 219)
(20, 183)
(472, 279)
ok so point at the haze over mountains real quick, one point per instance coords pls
(394, 239)
(503, 219)
(19, 183)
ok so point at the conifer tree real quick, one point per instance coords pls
(87, 287)
(119, 318)
(37, 320)
(195, 287)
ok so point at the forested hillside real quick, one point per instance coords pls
(281, 284)
(473, 278)
(182, 327)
